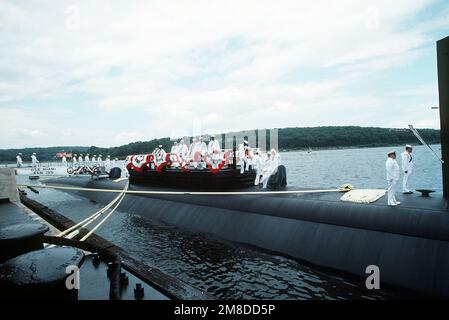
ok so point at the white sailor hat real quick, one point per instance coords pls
(391, 152)
(160, 146)
(212, 135)
(109, 156)
(176, 142)
(20, 153)
(182, 141)
(34, 153)
(408, 146)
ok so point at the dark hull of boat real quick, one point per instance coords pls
(228, 178)
(409, 243)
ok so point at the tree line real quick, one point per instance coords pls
(289, 139)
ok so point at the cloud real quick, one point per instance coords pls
(120, 71)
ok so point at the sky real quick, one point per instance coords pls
(107, 73)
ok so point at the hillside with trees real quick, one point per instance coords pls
(289, 139)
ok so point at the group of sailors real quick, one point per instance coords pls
(181, 155)
(85, 160)
(34, 161)
(393, 173)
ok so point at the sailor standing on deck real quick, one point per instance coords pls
(74, 160)
(64, 160)
(174, 154)
(94, 159)
(183, 152)
(192, 150)
(34, 160)
(258, 163)
(107, 164)
(407, 168)
(86, 159)
(19, 160)
(80, 160)
(100, 160)
(202, 148)
(213, 150)
(392, 178)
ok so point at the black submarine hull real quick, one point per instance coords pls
(409, 243)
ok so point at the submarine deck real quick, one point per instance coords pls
(416, 216)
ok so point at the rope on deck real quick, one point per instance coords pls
(343, 188)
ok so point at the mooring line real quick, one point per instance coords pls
(107, 216)
(343, 188)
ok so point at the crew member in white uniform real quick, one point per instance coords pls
(192, 151)
(245, 154)
(64, 160)
(213, 150)
(267, 170)
(86, 159)
(94, 159)
(107, 165)
(80, 160)
(19, 160)
(74, 160)
(174, 154)
(392, 178)
(202, 148)
(407, 168)
(34, 161)
(183, 152)
(100, 160)
(258, 163)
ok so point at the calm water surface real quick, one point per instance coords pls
(228, 271)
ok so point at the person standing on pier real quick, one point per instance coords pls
(392, 178)
(407, 168)
(19, 160)
(34, 161)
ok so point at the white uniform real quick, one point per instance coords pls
(392, 179)
(19, 161)
(407, 169)
(183, 152)
(80, 160)
(258, 164)
(64, 161)
(193, 149)
(100, 160)
(34, 160)
(86, 160)
(202, 148)
(107, 164)
(174, 154)
(213, 150)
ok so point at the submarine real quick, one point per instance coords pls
(409, 244)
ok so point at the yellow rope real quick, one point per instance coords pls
(108, 215)
(343, 188)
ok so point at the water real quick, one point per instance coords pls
(363, 168)
(228, 271)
